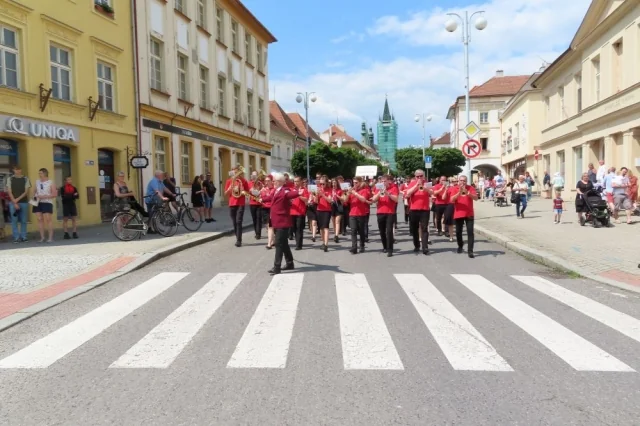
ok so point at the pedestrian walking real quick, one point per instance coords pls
(18, 189)
(557, 208)
(463, 214)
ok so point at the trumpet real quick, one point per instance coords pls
(236, 184)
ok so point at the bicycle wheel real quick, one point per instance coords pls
(126, 226)
(191, 219)
(165, 224)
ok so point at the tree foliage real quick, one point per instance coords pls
(331, 161)
(445, 161)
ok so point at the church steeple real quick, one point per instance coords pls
(386, 115)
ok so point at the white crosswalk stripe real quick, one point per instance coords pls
(464, 347)
(265, 343)
(366, 341)
(164, 343)
(51, 348)
(573, 349)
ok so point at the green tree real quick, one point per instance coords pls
(331, 161)
(445, 161)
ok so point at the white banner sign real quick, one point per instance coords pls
(364, 171)
(38, 129)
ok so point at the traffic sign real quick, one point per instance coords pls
(471, 129)
(471, 148)
(427, 159)
(427, 165)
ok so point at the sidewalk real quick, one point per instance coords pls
(35, 276)
(607, 255)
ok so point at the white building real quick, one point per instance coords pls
(485, 103)
(203, 88)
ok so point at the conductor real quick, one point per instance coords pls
(281, 221)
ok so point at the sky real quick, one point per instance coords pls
(353, 53)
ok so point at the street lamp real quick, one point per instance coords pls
(424, 119)
(306, 97)
(451, 25)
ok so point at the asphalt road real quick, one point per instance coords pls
(207, 337)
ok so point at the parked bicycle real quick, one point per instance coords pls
(128, 224)
(189, 217)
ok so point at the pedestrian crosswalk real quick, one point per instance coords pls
(366, 340)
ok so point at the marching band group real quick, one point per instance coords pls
(284, 206)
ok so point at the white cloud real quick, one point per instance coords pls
(351, 35)
(521, 34)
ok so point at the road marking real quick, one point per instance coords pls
(265, 342)
(162, 345)
(366, 342)
(573, 349)
(461, 343)
(623, 323)
(51, 348)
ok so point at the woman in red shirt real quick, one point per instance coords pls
(324, 210)
(463, 198)
(266, 192)
(359, 197)
(337, 209)
(419, 197)
(299, 210)
(387, 200)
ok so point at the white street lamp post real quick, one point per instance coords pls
(424, 118)
(306, 97)
(451, 25)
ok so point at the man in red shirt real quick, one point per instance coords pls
(237, 202)
(442, 199)
(387, 200)
(419, 197)
(358, 197)
(463, 198)
(299, 211)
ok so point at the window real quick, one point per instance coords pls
(577, 161)
(8, 58)
(204, 87)
(617, 65)
(206, 159)
(561, 96)
(160, 153)
(156, 64)
(234, 36)
(201, 19)
(278, 152)
(248, 53)
(596, 72)
(485, 143)
(185, 157)
(60, 73)
(560, 162)
(222, 94)
(288, 153)
(250, 109)
(105, 87)
(237, 114)
(484, 118)
(260, 114)
(182, 77)
(259, 57)
(219, 25)
(179, 5)
(579, 92)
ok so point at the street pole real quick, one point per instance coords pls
(424, 153)
(306, 97)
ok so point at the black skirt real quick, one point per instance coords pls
(324, 219)
(266, 216)
(312, 213)
(448, 215)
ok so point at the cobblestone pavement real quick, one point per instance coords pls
(608, 252)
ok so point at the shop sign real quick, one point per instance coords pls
(8, 148)
(38, 129)
(139, 162)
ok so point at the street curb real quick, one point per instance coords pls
(136, 264)
(548, 259)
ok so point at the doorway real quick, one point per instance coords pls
(225, 166)
(61, 170)
(106, 178)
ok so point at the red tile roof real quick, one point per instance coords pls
(301, 126)
(336, 133)
(442, 140)
(281, 120)
(500, 86)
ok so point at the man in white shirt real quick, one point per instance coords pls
(620, 184)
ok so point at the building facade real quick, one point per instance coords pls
(485, 103)
(521, 122)
(387, 137)
(591, 94)
(443, 141)
(203, 83)
(283, 139)
(300, 127)
(67, 97)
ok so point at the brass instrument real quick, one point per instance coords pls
(236, 184)
(262, 175)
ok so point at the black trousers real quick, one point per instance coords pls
(282, 247)
(386, 222)
(237, 214)
(439, 212)
(297, 229)
(406, 213)
(416, 219)
(357, 226)
(256, 217)
(366, 227)
(468, 221)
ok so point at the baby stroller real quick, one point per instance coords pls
(596, 209)
(500, 197)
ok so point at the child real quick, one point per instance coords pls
(557, 208)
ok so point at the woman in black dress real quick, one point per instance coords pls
(197, 196)
(582, 187)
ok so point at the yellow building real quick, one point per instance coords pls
(591, 94)
(67, 95)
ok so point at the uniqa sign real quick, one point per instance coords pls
(38, 129)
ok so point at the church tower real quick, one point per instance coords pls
(387, 136)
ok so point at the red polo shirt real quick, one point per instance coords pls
(420, 199)
(357, 207)
(299, 207)
(252, 202)
(233, 201)
(463, 206)
(439, 198)
(385, 204)
(323, 204)
(267, 192)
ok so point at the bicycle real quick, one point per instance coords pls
(189, 217)
(127, 225)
